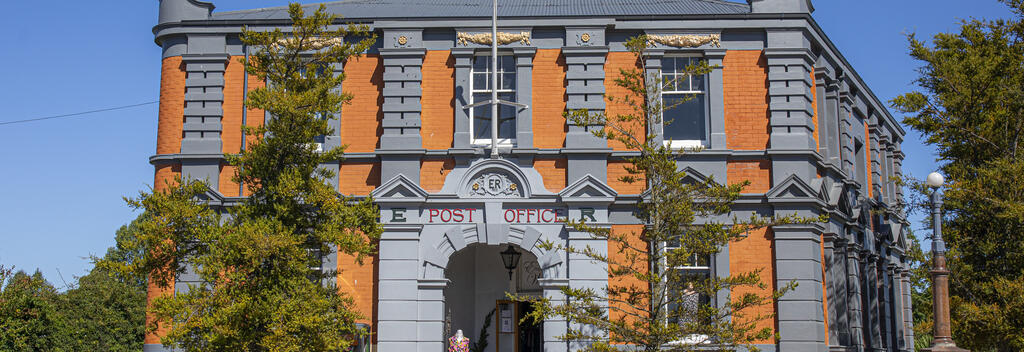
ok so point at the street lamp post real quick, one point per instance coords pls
(942, 339)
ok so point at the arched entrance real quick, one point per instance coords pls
(476, 298)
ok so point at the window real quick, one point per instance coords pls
(684, 99)
(480, 87)
(684, 302)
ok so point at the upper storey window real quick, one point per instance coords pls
(481, 86)
(685, 107)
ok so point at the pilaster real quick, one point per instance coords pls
(524, 95)
(403, 63)
(908, 311)
(801, 314)
(876, 163)
(398, 289)
(856, 298)
(792, 126)
(205, 64)
(585, 90)
(846, 120)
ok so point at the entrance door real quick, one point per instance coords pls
(531, 337)
(513, 334)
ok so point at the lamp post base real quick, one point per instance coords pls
(944, 347)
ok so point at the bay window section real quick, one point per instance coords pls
(684, 103)
(481, 86)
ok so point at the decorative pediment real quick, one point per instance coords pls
(692, 176)
(494, 184)
(588, 189)
(400, 188)
(793, 187)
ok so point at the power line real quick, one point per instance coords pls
(77, 113)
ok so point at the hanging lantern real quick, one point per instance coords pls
(510, 257)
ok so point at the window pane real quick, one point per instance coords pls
(481, 63)
(508, 63)
(681, 64)
(482, 117)
(684, 121)
(480, 81)
(697, 83)
(508, 80)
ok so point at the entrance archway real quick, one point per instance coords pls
(476, 301)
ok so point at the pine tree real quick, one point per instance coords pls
(259, 290)
(970, 108)
(648, 304)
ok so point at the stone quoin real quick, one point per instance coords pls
(782, 108)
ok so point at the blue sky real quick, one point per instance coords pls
(62, 181)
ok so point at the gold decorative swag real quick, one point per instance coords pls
(504, 38)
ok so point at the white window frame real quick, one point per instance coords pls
(702, 93)
(473, 90)
(696, 267)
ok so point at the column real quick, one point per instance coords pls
(201, 145)
(401, 139)
(876, 163)
(908, 311)
(831, 289)
(846, 128)
(885, 301)
(855, 297)
(842, 292)
(585, 89)
(716, 100)
(524, 95)
(398, 290)
(463, 63)
(873, 322)
(800, 312)
(557, 326)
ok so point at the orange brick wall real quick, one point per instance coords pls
(231, 122)
(759, 173)
(620, 61)
(756, 252)
(553, 171)
(438, 114)
(172, 106)
(549, 127)
(618, 255)
(814, 106)
(360, 120)
(433, 172)
(359, 281)
(745, 85)
(163, 177)
(358, 178)
(616, 170)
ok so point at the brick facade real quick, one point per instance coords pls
(759, 131)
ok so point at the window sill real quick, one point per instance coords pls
(686, 144)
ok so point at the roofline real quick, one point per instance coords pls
(813, 25)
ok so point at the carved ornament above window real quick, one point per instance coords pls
(685, 41)
(504, 38)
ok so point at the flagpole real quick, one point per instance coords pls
(494, 82)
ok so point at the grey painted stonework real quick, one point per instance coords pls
(855, 261)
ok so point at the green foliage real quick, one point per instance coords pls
(481, 342)
(103, 313)
(970, 108)
(28, 312)
(259, 292)
(99, 313)
(648, 305)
